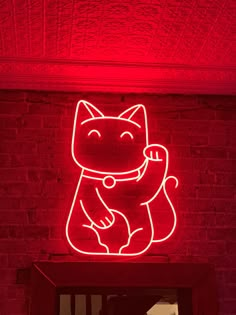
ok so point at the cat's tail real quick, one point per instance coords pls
(172, 208)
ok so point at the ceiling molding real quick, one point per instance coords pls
(107, 63)
(114, 77)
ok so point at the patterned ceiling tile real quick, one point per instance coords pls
(155, 32)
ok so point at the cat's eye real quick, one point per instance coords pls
(95, 132)
(127, 133)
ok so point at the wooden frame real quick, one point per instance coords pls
(50, 279)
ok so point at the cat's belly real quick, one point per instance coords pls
(123, 203)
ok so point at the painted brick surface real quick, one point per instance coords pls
(38, 179)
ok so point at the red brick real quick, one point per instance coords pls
(5, 160)
(231, 248)
(13, 108)
(12, 95)
(160, 137)
(196, 205)
(52, 122)
(231, 153)
(221, 165)
(225, 114)
(3, 232)
(187, 177)
(47, 247)
(231, 276)
(230, 291)
(3, 261)
(188, 191)
(12, 246)
(191, 127)
(198, 140)
(8, 121)
(9, 203)
(3, 294)
(198, 219)
(219, 127)
(188, 164)
(47, 217)
(57, 232)
(188, 139)
(232, 138)
(14, 292)
(225, 178)
(219, 140)
(13, 217)
(54, 189)
(231, 218)
(14, 121)
(212, 248)
(20, 189)
(177, 151)
(208, 152)
(198, 114)
(226, 206)
(187, 259)
(32, 159)
(29, 121)
(221, 233)
(189, 233)
(180, 138)
(7, 276)
(8, 134)
(43, 202)
(21, 260)
(44, 175)
(50, 147)
(221, 262)
(216, 192)
(229, 306)
(13, 175)
(36, 232)
(44, 107)
(13, 147)
(67, 123)
(15, 307)
(37, 135)
(16, 232)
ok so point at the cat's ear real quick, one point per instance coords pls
(137, 114)
(85, 110)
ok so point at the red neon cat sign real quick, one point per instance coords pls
(121, 175)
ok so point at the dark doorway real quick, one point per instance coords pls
(123, 288)
(126, 302)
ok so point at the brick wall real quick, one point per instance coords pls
(38, 179)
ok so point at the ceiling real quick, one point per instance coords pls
(159, 46)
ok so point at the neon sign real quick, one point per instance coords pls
(121, 176)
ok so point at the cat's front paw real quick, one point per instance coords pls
(154, 152)
(104, 222)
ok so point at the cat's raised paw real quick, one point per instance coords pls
(153, 152)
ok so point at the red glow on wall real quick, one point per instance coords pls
(121, 174)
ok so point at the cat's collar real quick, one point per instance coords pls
(109, 181)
